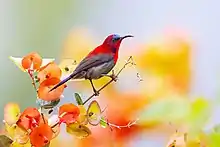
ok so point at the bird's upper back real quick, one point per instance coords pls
(93, 60)
(102, 49)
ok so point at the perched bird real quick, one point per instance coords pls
(97, 63)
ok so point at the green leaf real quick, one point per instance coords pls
(214, 139)
(166, 110)
(199, 114)
(103, 123)
(5, 141)
(217, 128)
(78, 130)
(94, 113)
(78, 99)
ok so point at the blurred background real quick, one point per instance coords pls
(175, 49)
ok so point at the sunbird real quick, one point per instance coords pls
(98, 63)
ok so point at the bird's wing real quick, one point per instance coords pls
(93, 61)
(85, 64)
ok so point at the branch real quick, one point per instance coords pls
(60, 121)
(129, 61)
(30, 73)
(120, 127)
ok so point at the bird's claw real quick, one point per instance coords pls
(114, 77)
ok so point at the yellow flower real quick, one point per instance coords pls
(169, 59)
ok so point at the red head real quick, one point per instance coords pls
(113, 42)
(110, 45)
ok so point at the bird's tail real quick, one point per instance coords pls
(62, 82)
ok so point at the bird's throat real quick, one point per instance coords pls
(114, 50)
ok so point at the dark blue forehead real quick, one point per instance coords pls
(115, 36)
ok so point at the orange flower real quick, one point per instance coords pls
(29, 119)
(40, 136)
(32, 58)
(51, 70)
(69, 113)
(46, 85)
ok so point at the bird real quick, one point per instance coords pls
(98, 63)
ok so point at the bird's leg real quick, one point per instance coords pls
(112, 76)
(93, 87)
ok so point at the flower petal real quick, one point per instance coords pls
(41, 135)
(69, 113)
(29, 118)
(51, 70)
(44, 90)
(32, 60)
(17, 61)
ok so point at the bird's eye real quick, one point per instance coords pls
(115, 39)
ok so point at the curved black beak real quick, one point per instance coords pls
(126, 37)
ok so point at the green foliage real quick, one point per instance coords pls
(199, 114)
(103, 123)
(78, 130)
(78, 99)
(166, 110)
(217, 128)
(214, 139)
(191, 114)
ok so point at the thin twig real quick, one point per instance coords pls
(55, 125)
(134, 66)
(59, 122)
(123, 126)
(42, 115)
(129, 61)
(30, 73)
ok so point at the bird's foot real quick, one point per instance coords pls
(113, 76)
(96, 93)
